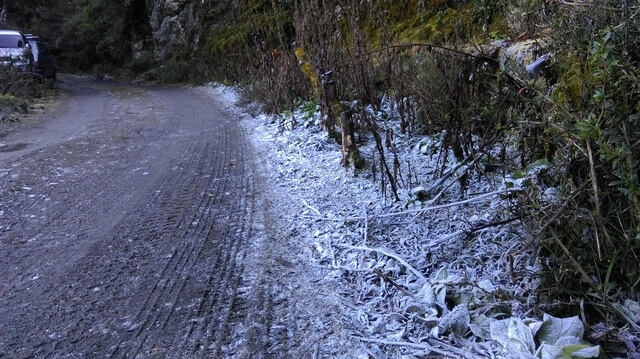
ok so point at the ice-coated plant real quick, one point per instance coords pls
(551, 338)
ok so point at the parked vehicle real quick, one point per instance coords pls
(15, 51)
(44, 63)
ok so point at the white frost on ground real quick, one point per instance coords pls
(411, 279)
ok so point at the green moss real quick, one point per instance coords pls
(307, 69)
(569, 90)
(498, 28)
(240, 31)
(443, 26)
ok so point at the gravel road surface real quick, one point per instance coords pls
(134, 223)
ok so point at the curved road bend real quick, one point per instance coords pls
(131, 220)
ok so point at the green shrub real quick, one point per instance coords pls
(12, 103)
(594, 245)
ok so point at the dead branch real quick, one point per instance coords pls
(422, 44)
(449, 236)
(448, 174)
(553, 218)
(457, 351)
(492, 224)
(425, 209)
(587, 4)
(444, 190)
(453, 204)
(593, 284)
(396, 285)
(311, 208)
(423, 346)
(596, 195)
(470, 159)
(577, 265)
(366, 227)
(383, 162)
(388, 253)
(405, 344)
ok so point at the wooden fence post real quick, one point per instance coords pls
(350, 152)
(330, 101)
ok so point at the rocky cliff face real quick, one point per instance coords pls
(174, 24)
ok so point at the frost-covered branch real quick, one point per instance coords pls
(423, 346)
(453, 204)
(388, 253)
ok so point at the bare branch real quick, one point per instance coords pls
(453, 204)
(388, 253)
(454, 352)
(396, 285)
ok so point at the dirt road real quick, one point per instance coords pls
(133, 224)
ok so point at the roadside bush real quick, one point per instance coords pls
(249, 45)
(171, 72)
(20, 85)
(593, 244)
(17, 91)
(10, 103)
(579, 128)
(417, 59)
(141, 63)
(101, 32)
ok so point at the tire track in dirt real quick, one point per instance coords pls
(167, 277)
(172, 277)
(209, 236)
(207, 333)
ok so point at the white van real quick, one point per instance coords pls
(15, 51)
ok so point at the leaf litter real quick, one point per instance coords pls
(425, 276)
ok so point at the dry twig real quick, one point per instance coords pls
(453, 204)
(311, 208)
(388, 253)
(553, 218)
(393, 283)
(455, 352)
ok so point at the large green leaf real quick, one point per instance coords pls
(555, 328)
(561, 338)
(480, 326)
(547, 351)
(581, 351)
(457, 320)
(514, 336)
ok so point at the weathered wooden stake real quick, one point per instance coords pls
(350, 152)
(330, 103)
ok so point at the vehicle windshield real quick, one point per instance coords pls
(11, 41)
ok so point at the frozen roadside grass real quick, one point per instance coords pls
(425, 276)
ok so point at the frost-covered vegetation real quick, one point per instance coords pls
(423, 276)
(564, 135)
